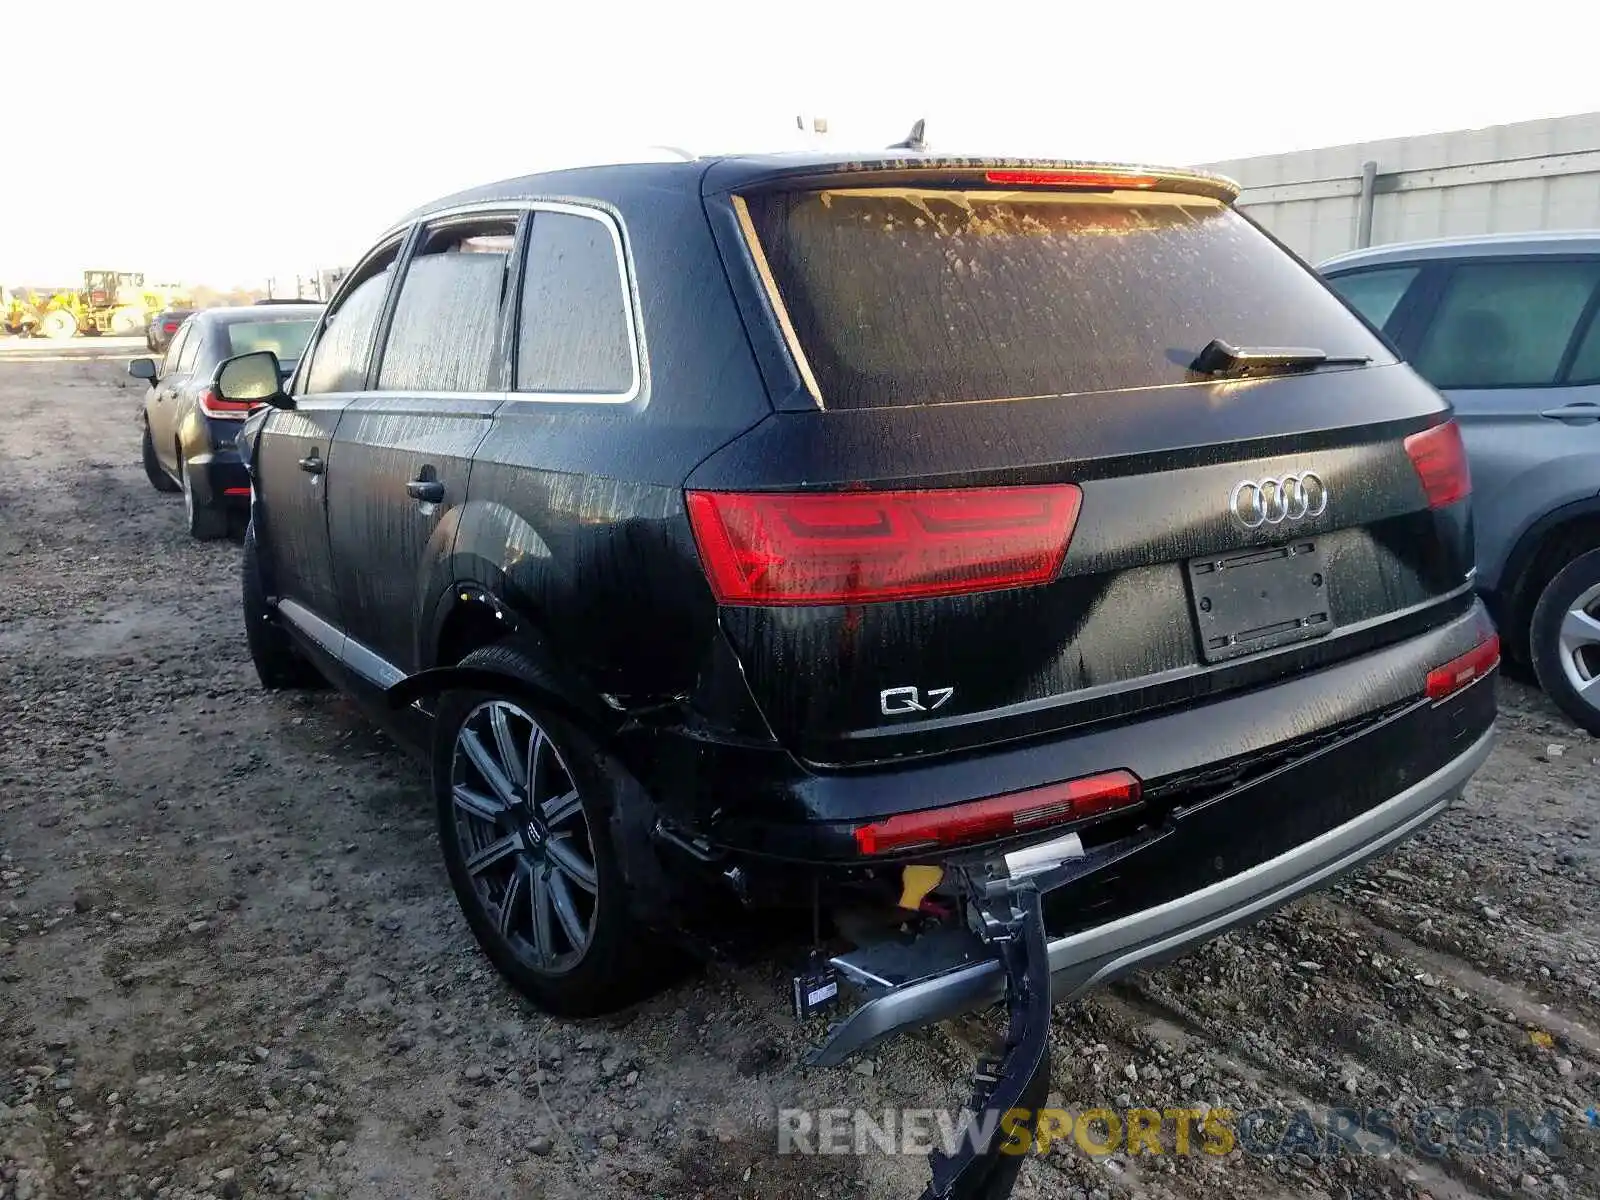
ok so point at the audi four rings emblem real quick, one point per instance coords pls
(1272, 501)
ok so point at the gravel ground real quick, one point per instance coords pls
(230, 964)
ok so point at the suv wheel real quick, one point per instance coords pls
(1565, 637)
(153, 470)
(524, 801)
(278, 664)
(205, 524)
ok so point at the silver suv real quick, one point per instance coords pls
(1505, 326)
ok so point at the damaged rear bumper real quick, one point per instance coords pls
(975, 978)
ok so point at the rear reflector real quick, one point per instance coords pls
(244, 491)
(1001, 816)
(1441, 463)
(214, 405)
(769, 548)
(1458, 672)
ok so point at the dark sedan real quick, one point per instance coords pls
(189, 429)
(164, 327)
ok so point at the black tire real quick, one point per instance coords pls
(1567, 663)
(206, 524)
(619, 963)
(153, 470)
(278, 664)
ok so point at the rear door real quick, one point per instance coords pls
(295, 454)
(201, 357)
(176, 368)
(405, 448)
(1017, 501)
(1515, 346)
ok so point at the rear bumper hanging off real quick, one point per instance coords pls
(1007, 953)
(1020, 1081)
(1093, 956)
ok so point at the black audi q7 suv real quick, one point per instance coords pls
(1031, 560)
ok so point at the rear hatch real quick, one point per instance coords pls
(1009, 490)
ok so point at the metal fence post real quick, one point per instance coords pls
(1369, 181)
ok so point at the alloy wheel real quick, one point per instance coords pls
(524, 836)
(1580, 646)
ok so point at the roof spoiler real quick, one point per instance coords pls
(757, 173)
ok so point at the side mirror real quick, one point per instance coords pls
(253, 378)
(143, 368)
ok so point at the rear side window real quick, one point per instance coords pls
(175, 349)
(190, 349)
(286, 339)
(447, 319)
(1505, 324)
(1375, 294)
(339, 359)
(575, 336)
(902, 297)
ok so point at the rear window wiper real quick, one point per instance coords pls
(1219, 358)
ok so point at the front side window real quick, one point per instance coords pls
(339, 360)
(1505, 324)
(1375, 294)
(575, 336)
(447, 318)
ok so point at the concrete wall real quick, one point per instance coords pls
(1506, 178)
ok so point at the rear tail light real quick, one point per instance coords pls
(1441, 463)
(1001, 816)
(214, 405)
(1458, 672)
(170, 327)
(766, 548)
(1085, 179)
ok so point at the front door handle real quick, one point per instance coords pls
(1582, 411)
(312, 465)
(429, 491)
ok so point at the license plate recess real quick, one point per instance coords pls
(1259, 599)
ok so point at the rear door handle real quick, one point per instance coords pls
(429, 491)
(1582, 411)
(312, 465)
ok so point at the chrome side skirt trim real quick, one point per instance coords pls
(357, 656)
(328, 636)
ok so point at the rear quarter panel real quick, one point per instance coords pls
(574, 516)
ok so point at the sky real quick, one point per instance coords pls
(227, 141)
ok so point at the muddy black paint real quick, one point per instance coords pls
(760, 728)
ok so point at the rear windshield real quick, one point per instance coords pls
(929, 297)
(286, 339)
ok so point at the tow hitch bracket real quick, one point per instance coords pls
(1008, 1092)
